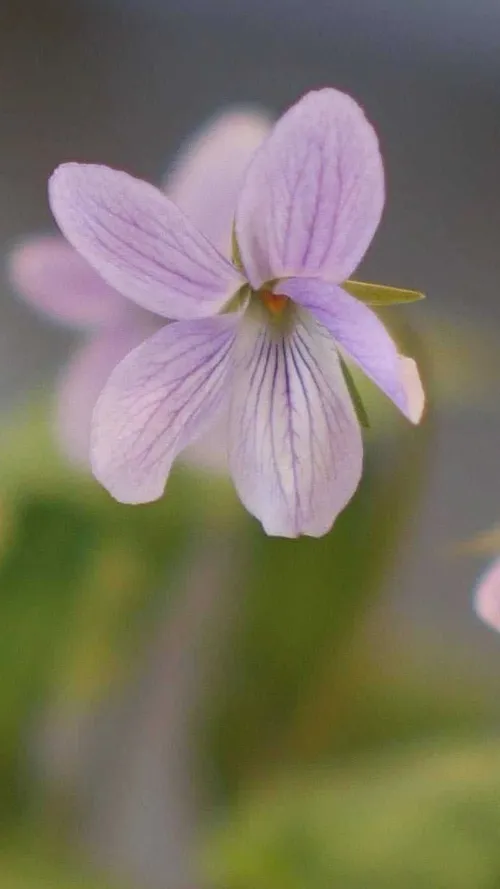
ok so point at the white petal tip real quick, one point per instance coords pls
(289, 531)
(60, 175)
(412, 384)
(61, 190)
(128, 493)
(315, 526)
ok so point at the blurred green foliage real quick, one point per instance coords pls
(83, 582)
(300, 605)
(24, 866)
(419, 818)
(82, 579)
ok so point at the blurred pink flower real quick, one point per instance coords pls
(487, 596)
(259, 338)
(53, 277)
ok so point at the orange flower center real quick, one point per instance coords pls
(275, 302)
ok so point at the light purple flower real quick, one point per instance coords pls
(307, 210)
(487, 597)
(53, 277)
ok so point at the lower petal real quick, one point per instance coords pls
(162, 396)
(295, 446)
(362, 335)
(84, 379)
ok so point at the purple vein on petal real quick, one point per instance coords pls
(141, 242)
(159, 400)
(295, 445)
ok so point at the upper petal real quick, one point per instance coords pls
(487, 598)
(314, 192)
(295, 447)
(208, 174)
(84, 379)
(160, 398)
(53, 277)
(360, 332)
(140, 242)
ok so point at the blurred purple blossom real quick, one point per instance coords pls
(306, 212)
(53, 277)
(487, 596)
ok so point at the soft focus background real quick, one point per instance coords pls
(184, 702)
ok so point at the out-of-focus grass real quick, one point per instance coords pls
(82, 579)
(419, 818)
(28, 863)
(21, 873)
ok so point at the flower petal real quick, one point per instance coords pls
(415, 395)
(54, 278)
(360, 332)
(208, 454)
(208, 175)
(295, 447)
(487, 597)
(84, 379)
(140, 242)
(161, 397)
(314, 193)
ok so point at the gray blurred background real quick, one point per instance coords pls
(123, 83)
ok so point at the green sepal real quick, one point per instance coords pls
(355, 396)
(381, 294)
(235, 251)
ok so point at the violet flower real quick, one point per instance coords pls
(487, 596)
(53, 277)
(259, 337)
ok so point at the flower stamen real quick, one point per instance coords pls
(275, 302)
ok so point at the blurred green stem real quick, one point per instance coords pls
(322, 704)
(143, 819)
